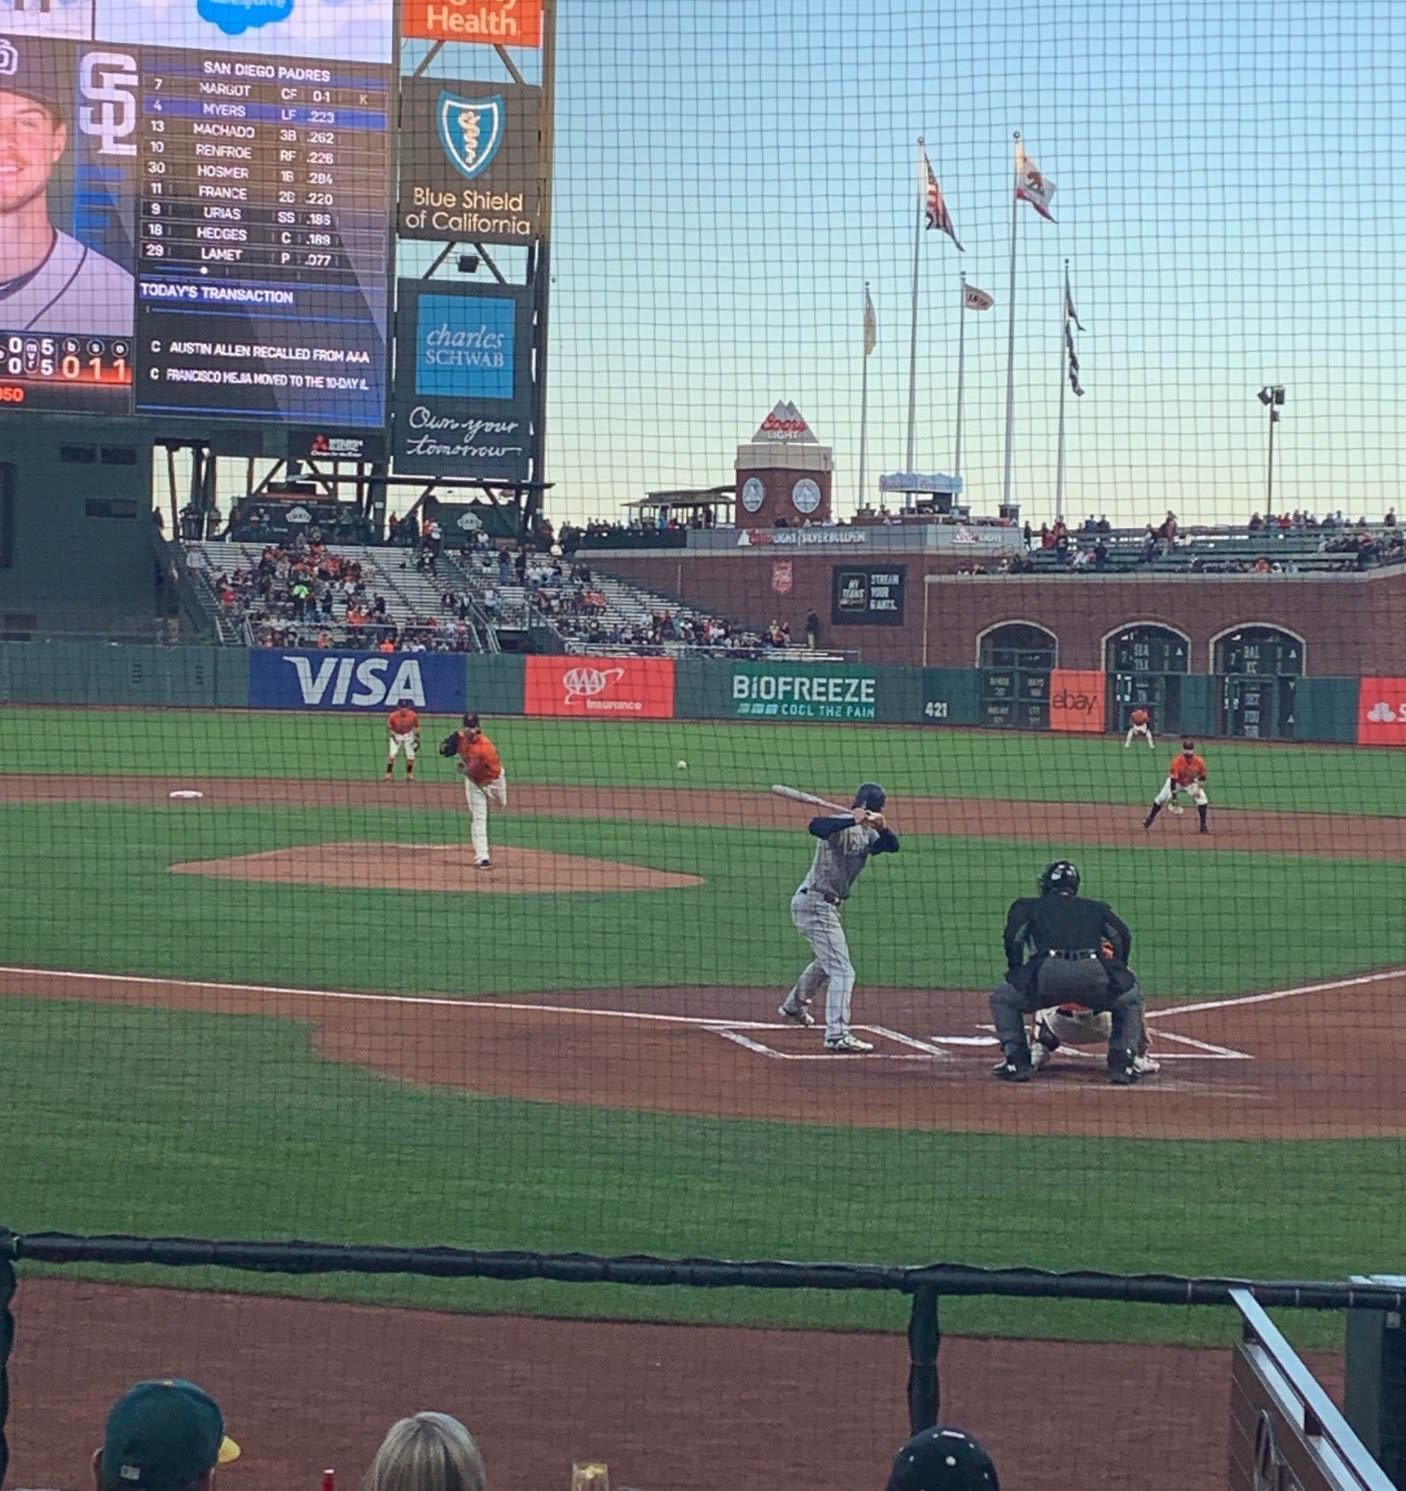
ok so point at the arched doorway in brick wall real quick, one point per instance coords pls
(1145, 663)
(1015, 659)
(1257, 668)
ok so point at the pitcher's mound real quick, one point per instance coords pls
(435, 867)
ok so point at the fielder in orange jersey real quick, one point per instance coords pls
(403, 727)
(1187, 773)
(1140, 727)
(484, 781)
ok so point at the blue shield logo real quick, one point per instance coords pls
(470, 130)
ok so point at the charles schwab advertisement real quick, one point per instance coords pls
(463, 384)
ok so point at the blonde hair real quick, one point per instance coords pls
(430, 1452)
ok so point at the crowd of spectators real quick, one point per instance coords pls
(303, 595)
(167, 1434)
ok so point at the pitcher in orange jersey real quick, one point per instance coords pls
(403, 727)
(484, 781)
(1187, 773)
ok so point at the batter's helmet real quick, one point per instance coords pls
(943, 1459)
(870, 795)
(1061, 877)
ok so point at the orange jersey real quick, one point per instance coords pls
(403, 721)
(1187, 769)
(481, 762)
(1138, 717)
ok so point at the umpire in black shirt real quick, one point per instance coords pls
(1077, 954)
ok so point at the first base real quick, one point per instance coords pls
(187, 795)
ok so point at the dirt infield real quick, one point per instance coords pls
(1317, 834)
(435, 867)
(307, 1384)
(1289, 1064)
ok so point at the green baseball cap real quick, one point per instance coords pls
(164, 1434)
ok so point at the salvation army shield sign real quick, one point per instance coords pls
(470, 131)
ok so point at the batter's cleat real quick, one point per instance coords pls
(1122, 1068)
(1146, 1066)
(485, 864)
(801, 1016)
(1203, 829)
(847, 1044)
(1013, 1071)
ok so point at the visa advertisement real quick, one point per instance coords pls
(356, 682)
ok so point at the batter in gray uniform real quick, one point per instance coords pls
(846, 842)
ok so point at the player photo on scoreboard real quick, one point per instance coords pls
(68, 149)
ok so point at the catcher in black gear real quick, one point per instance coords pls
(1062, 947)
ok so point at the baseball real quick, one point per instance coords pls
(682, 765)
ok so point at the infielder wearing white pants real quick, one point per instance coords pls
(1140, 732)
(478, 798)
(846, 842)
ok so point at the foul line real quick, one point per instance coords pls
(716, 1022)
(482, 1002)
(1273, 994)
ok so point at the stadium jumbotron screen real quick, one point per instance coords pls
(195, 209)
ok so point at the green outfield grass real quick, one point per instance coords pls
(158, 1121)
(906, 759)
(144, 1122)
(930, 917)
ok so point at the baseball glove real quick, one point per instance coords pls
(449, 746)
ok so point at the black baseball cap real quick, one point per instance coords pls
(29, 68)
(943, 1458)
(163, 1434)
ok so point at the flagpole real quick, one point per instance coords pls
(1063, 380)
(961, 373)
(913, 333)
(863, 394)
(1010, 342)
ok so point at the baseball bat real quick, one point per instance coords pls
(794, 794)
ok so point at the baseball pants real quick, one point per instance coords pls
(478, 799)
(830, 969)
(401, 743)
(1196, 793)
(1140, 732)
(1083, 981)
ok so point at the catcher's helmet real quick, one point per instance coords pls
(871, 796)
(943, 1459)
(1061, 877)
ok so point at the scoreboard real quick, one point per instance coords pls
(212, 184)
(265, 239)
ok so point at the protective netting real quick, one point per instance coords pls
(999, 411)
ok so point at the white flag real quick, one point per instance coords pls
(871, 325)
(975, 300)
(1030, 185)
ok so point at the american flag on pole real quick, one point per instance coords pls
(871, 324)
(1030, 185)
(938, 216)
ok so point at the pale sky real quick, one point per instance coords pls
(729, 173)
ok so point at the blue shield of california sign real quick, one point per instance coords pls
(470, 130)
